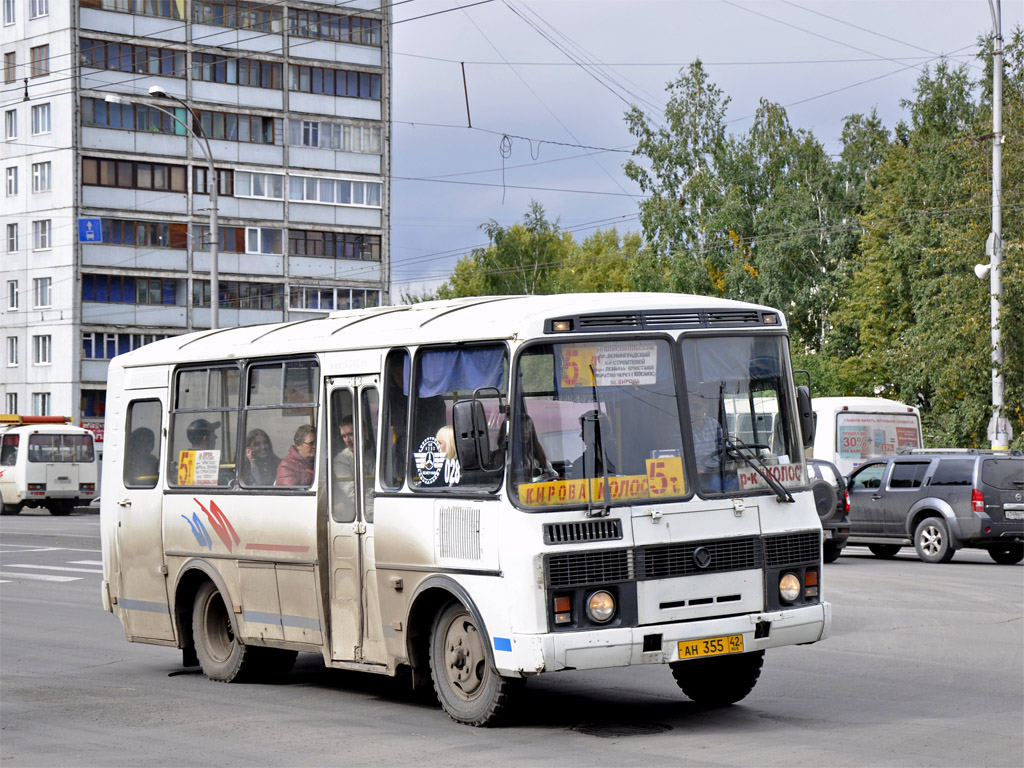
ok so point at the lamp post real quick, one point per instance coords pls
(212, 184)
(999, 431)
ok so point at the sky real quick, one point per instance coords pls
(501, 102)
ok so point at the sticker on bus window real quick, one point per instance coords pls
(664, 478)
(198, 467)
(609, 365)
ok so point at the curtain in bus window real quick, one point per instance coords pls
(459, 370)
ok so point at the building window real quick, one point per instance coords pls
(12, 294)
(41, 177)
(130, 174)
(37, 8)
(162, 8)
(107, 346)
(12, 181)
(320, 299)
(41, 235)
(41, 352)
(12, 353)
(269, 185)
(40, 119)
(225, 181)
(11, 401)
(12, 238)
(40, 65)
(124, 57)
(234, 127)
(147, 234)
(10, 124)
(334, 82)
(333, 245)
(40, 403)
(262, 240)
(41, 292)
(232, 239)
(94, 403)
(10, 68)
(133, 117)
(212, 68)
(334, 191)
(9, 18)
(341, 136)
(121, 289)
(240, 295)
(333, 26)
(240, 15)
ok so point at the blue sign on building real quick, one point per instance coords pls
(89, 231)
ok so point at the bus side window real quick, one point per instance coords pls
(142, 449)
(9, 450)
(396, 419)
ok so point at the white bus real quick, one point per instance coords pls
(477, 490)
(851, 430)
(45, 461)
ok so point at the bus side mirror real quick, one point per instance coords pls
(472, 441)
(806, 414)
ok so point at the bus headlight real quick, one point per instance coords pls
(789, 587)
(601, 607)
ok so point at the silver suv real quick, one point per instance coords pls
(940, 501)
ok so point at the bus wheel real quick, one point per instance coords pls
(61, 508)
(221, 655)
(718, 681)
(10, 509)
(467, 685)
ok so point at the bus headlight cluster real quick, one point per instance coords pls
(601, 607)
(789, 587)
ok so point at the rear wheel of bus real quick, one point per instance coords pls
(719, 681)
(467, 685)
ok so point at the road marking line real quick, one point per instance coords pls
(53, 568)
(85, 562)
(39, 577)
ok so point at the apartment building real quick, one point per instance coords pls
(111, 108)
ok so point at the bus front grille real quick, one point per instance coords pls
(693, 557)
(579, 569)
(792, 549)
(592, 530)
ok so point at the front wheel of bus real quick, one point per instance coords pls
(221, 655)
(720, 681)
(467, 685)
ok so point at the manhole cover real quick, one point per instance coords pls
(618, 730)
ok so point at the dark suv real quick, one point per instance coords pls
(829, 488)
(940, 501)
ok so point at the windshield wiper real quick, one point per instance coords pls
(735, 449)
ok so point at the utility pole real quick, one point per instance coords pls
(999, 431)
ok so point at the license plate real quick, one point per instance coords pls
(1014, 514)
(710, 646)
(828, 533)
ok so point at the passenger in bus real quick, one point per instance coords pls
(260, 460)
(296, 468)
(202, 434)
(536, 466)
(446, 440)
(343, 467)
(596, 434)
(143, 465)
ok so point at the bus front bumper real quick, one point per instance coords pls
(658, 644)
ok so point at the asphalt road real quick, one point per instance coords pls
(925, 667)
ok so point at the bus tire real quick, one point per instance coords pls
(221, 654)
(718, 681)
(11, 509)
(60, 508)
(932, 542)
(469, 688)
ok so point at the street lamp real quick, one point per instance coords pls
(212, 184)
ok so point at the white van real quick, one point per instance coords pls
(45, 461)
(851, 430)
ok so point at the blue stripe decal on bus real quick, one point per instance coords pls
(143, 605)
(502, 644)
(299, 622)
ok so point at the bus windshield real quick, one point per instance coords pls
(740, 417)
(596, 422)
(45, 448)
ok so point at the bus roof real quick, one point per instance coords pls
(861, 405)
(465, 319)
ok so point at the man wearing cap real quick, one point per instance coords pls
(296, 468)
(202, 434)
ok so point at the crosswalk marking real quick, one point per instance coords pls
(38, 577)
(54, 568)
